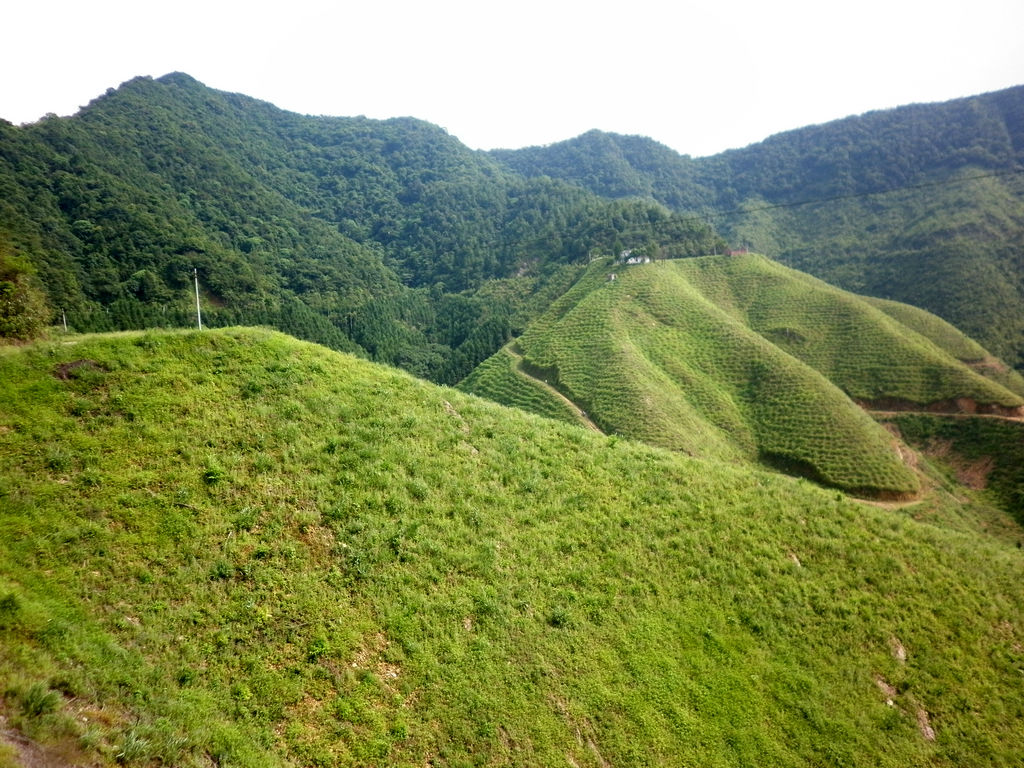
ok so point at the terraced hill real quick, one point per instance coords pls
(739, 357)
(922, 204)
(950, 339)
(231, 548)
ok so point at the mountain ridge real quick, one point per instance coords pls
(953, 255)
(361, 234)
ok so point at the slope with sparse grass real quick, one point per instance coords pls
(234, 548)
(981, 454)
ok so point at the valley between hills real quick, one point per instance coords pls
(590, 454)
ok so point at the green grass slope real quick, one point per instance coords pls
(740, 357)
(502, 377)
(870, 354)
(953, 341)
(232, 548)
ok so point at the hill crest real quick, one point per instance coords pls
(736, 356)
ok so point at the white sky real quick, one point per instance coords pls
(700, 78)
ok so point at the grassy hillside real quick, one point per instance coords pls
(953, 341)
(923, 204)
(844, 337)
(738, 357)
(233, 548)
(502, 375)
(951, 249)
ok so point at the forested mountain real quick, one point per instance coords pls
(923, 204)
(362, 234)
(379, 235)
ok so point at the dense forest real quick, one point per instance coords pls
(388, 238)
(923, 204)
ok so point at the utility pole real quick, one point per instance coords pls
(199, 314)
(64, 319)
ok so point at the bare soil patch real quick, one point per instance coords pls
(31, 754)
(65, 371)
(960, 406)
(972, 473)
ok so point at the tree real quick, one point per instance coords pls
(23, 309)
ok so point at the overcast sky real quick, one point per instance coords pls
(698, 78)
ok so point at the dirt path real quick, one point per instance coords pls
(580, 414)
(891, 414)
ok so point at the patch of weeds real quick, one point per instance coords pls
(251, 389)
(241, 692)
(263, 463)
(336, 513)
(186, 676)
(66, 686)
(418, 490)
(80, 407)
(350, 710)
(398, 731)
(58, 459)
(560, 618)
(91, 739)
(222, 570)
(10, 607)
(214, 473)
(133, 748)
(291, 410)
(306, 519)
(90, 478)
(39, 700)
(891, 719)
(317, 649)
(53, 634)
(246, 519)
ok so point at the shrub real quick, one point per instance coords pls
(23, 309)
